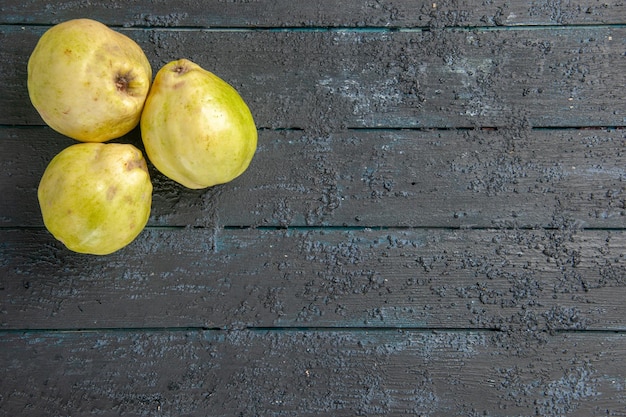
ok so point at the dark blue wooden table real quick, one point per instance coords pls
(434, 223)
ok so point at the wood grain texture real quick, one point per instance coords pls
(339, 373)
(320, 13)
(433, 224)
(528, 281)
(412, 178)
(320, 80)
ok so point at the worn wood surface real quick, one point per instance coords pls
(495, 279)
(433, 224)
(320, 13)
(375, 178)
(310, 373)
(327, 80)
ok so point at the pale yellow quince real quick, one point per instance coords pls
(196, 128)
(88, 81)
(96, 197)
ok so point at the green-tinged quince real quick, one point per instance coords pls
(95, 198)
(196, 128)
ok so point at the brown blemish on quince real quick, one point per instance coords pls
(111, 191)
(136, 163)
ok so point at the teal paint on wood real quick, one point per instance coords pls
(373, 178)
(325, 81)
(551, 280)
(342, 373)
(319, 14)
(433, 223)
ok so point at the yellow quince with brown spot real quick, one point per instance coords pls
(88, 81)
(95, 197)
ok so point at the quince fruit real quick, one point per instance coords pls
(95, 198)
(196, 128)
(88, 81)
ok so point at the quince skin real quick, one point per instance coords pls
(196, 128)
(96, 197)
(88, 81)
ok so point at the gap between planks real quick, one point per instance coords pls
(346, 29)
(297, 329)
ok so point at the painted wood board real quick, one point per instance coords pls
(324, 81)
(373, 178)
(308, 373)
(324, 13)
(518, 280)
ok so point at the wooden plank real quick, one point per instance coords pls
(274, 373)
(514, 280)
(326, 80)
(458, 178)
(474, 178)
(324, 13)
